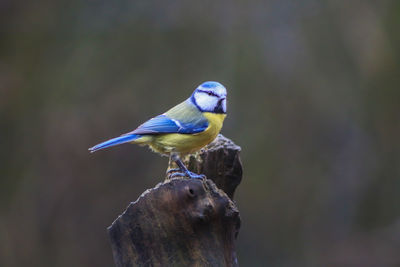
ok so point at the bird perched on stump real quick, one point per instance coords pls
(183, 129)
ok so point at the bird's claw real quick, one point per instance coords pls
(173, 170)
(195, 175)
(189, 174)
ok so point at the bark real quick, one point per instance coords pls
(184, 222)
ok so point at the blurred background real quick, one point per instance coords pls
(313, 100)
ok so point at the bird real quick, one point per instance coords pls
(183, 129)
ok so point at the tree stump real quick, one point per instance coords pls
(184, 222)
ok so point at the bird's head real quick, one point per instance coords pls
(210, 97)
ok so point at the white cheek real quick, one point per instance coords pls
(206, 102)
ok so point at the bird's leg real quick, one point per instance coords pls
(184, 170)
(171, 170)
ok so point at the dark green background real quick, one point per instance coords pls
(313, 100)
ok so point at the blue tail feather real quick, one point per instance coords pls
(115, 141)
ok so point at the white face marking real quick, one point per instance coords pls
(211, 97)
(205, 102)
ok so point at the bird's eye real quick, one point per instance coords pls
(209, 93)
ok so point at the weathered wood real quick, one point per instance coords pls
(183, 222)
(220, 162)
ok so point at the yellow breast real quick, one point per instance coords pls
(189, 143)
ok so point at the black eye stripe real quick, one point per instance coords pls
(208, 93)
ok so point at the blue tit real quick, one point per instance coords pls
(183, 129)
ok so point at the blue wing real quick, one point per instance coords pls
(184, 118)
(163, 124)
